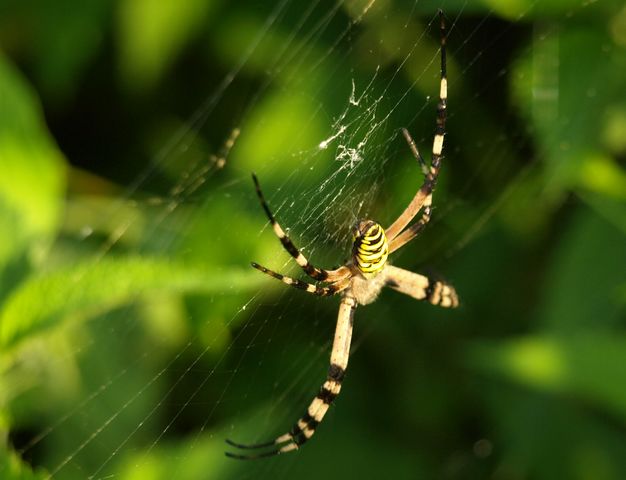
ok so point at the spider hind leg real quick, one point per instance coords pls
(305, 427)
(252, 456)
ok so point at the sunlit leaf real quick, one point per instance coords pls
(580, 289)
(149, 38)
(32, 179)
(89, 287)
(13, 468)
(274, 128)
(587, 366)
(552, 89)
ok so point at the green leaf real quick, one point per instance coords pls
(274, 128)
(602, 174)
(42, 302)
(68, 35)
(589, 366)
(552, 90)
(582, 284)
(520, 9)
(32, 180)
(150, 38)
(13, 468)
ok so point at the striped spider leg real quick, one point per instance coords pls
(316, 273)
(421, 287)
(305, 427)
(327, 291)
(423, 198)
(410, 283)
(339, 281)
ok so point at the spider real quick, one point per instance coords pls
(361, 279)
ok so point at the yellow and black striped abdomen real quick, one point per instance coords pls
(370, 249)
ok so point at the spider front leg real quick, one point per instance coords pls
(312, 271)
(328, 291)
(423, 197)
(415, 229)
(305, 427)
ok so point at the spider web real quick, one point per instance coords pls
(320, 124)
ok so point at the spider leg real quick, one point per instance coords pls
(423, 197)
(305, 427)
(312, 271)
(414, 230)
(421, 287)
(328, 291)
(415, 151)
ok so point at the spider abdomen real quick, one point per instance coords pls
(370, 248)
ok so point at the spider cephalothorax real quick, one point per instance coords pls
(370, 248)
(361, 279)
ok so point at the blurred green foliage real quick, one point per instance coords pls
(133, 336)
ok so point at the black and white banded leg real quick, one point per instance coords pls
(421, 287)
(325, 291)
(396, 232)
(312, 271)
(305, 427)
(415, 229)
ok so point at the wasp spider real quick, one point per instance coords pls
(360, 281)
